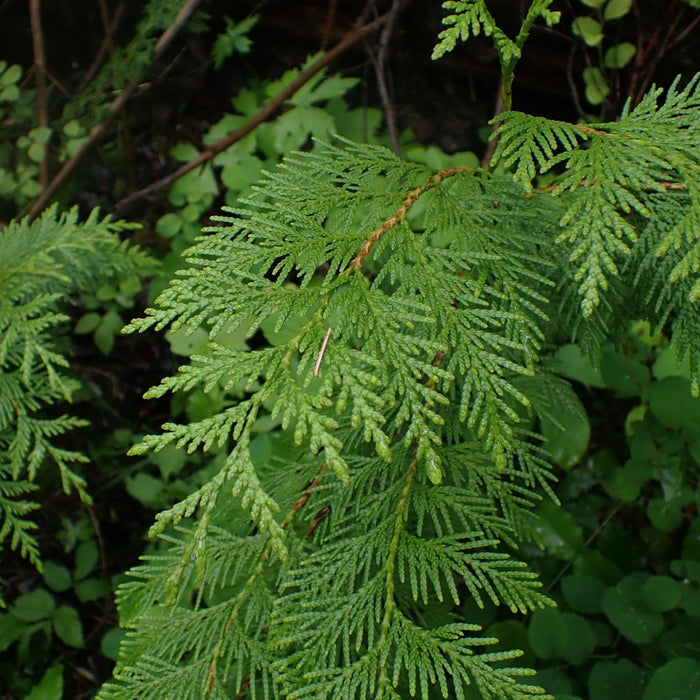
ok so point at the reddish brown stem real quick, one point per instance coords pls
(407, 203)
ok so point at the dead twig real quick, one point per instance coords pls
(642, 62)
(661, 52)
(330, 20)
(99, 130)
(267, 111)
(103, 50)
(381, 67)
(40, 79)
(126, 129)
(387, 104)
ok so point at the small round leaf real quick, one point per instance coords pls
(678, 679)
(548, 633)
(662, 593)
(583, 593)
(620, 680)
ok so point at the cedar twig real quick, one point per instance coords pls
(40, 73)
(99, 130)
(267, 111)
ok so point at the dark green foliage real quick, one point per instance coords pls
(622, 560)
(42, 265)
(129, 61)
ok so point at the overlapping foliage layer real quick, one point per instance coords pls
(411, 309)
(41, 265)
(381, 446)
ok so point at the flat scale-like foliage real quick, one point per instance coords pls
(41, 265)
(410, 310)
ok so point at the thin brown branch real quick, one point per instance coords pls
(688, 30)
(103, 50)
(381, 69)
(661, 52)
(330, 21)
(40, 78)
(265, 113)
(642, 56)
(387, 104)
(123, 117)
(169, 34)
(100, 130)
(107, 26)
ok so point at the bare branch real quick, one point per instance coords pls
(265, 113)
(40, 73)
(99, 130)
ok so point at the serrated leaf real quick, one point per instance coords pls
(145, 488)
(57, 577)
(68, 627)
(184, 152)
(91, 589)
(168, 225)
(34, 606)
(86, 557)
(36, 152)
(597, 88)
(50, 687)
(87, 323)
(109, 326)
